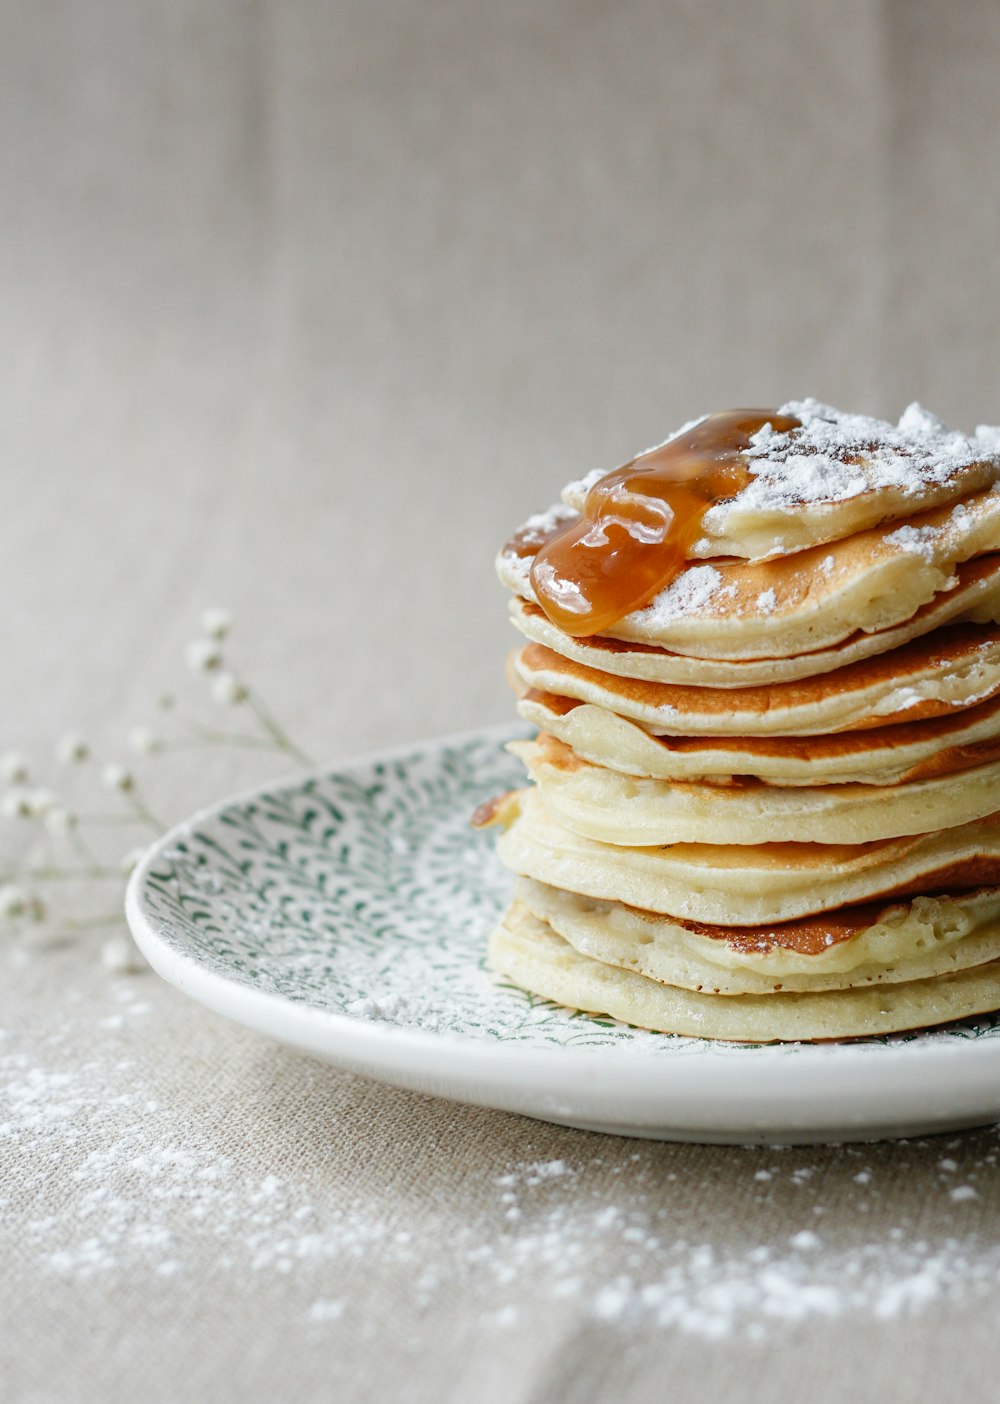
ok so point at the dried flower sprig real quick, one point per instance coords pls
(68, 843)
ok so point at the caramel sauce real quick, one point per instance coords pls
(486, 813)
(638, 523)
(813, 935)
(806, 935)
(501, 809)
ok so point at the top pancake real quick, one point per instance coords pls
(835, 476)
(815, 599)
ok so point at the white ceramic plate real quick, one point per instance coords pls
(347, 914)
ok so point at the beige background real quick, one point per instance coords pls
(302, 307)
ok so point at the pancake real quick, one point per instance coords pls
(975, 597)
(746, 884)
(953, 668)
(531, 954)
(887, 755)
(806, 602)
(612, 808)
(837, 475)
(870, 945)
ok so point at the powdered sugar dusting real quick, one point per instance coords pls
(916, 541)
(693, 592)
(143, 1192)
(835, 456)
(540, 524)
(530, 537)
(577, 490)
(988, 437)
(717, 1289)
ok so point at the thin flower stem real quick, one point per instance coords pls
(199, 733)
(69, 851)
(150, 819)
(281, 739)
(219, 738)
(144, 813)
(194, 728)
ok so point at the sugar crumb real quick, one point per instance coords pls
(325, 1310)
(805, 1240)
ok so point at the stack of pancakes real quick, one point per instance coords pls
(766, 805)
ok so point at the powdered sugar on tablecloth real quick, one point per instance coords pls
(139, 1190)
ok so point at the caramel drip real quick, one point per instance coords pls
(638, 523)
(813, 935)
(501, 809)
(806, 935)
(486, 814)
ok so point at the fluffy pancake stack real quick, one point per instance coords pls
(766, 798)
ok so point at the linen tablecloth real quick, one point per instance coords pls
(304, 307)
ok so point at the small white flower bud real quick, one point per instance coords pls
(13, 902)
(204, 656)
(60, 821)
(13, 768)
(72, 749)
(131, 860)
(16, 903)
(228, 690)
(116, 777)
(16, 804)
(40, 802)
(217, 623)
(143, 741)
